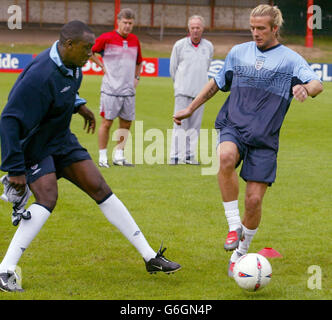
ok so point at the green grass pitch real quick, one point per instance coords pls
(79, 255)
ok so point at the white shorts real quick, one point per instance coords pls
(112, 107)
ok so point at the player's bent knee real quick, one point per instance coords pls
(45, 191)
(47, 199)
(99, 189)
(227, 162)
(253, 201)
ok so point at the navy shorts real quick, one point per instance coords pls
(258, 164)
(55, 163)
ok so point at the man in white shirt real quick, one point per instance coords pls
(189, 65)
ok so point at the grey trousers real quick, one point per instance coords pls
(185, 136)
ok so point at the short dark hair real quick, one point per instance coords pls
(126, 13)
(74, 30)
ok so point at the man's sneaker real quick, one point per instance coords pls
(160, 263)
(122, 162)
(8, 282)
(175, 161)
(103, 164)
(193, 162)
(233, 239)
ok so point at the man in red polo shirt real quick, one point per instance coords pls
(121, 63)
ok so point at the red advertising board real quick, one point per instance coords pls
(149, 68)
(91, 68)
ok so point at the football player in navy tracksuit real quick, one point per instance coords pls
(38, 147)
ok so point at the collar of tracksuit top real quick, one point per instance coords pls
(54, 55)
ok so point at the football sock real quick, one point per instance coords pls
(245, 243)
(232, 215)
(103, 155)
(236, 255)
(117, 214)
(25, 233)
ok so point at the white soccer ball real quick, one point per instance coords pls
(252, 272)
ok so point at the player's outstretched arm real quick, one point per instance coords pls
(208, 91)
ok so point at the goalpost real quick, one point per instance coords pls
(309, 38)
(117, 4)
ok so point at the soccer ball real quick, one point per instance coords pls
(252, 272)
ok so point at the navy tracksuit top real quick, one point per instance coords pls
(35, 122)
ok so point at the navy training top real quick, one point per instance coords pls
(35, 122)
(261, 85)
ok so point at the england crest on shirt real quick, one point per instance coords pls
(259, 63)
(125, 44)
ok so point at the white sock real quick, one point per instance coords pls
(118, 155)
(25, 233)
(245, 243)
(117, 214)
(232, 214)
(103, 155)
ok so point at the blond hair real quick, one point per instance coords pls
(272, 11)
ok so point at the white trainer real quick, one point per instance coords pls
(122, 162)
(103, 164)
